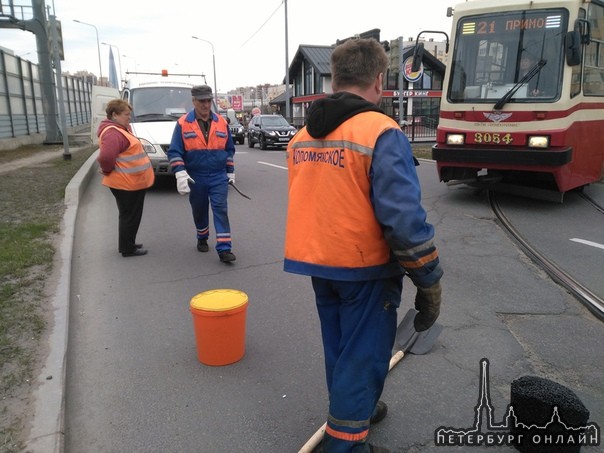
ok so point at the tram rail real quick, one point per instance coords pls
(592, 301)
(592, 202)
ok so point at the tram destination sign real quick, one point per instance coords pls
(511, 22)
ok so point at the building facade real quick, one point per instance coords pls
(412, 99)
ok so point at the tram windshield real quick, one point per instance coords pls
(508, 57)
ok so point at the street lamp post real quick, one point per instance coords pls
(119, 57)
(98, 46)
(133, 59)
(214, 66)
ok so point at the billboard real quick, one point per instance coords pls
(234, 102)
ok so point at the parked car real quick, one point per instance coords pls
(237, 129)
(269, 130)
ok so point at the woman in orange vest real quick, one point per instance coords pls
(127, 171)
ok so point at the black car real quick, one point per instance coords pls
(269, 130)
(237, 130)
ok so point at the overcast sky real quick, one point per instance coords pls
(248, 37)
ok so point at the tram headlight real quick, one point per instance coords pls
(538, 141)
(456, 139)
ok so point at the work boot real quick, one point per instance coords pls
(202, 245)
(379, 413)
(375, 449)
(226, 256)
(372, 449)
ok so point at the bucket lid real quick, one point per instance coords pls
(219, 300)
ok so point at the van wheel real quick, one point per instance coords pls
(250, 142)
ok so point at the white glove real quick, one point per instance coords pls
(182, 182)
(231, 177)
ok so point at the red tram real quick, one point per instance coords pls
(523, 99)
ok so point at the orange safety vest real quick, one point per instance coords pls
(193, 138)
(330, 219)
(133, 169)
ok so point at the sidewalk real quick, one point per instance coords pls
(35, 154)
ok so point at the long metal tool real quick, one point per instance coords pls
(407, 340)
(231, 183)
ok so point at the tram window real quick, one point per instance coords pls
(595, 16)
(593, 82)
(593, 75)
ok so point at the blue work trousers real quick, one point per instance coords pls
(358, 326)
(211, 189)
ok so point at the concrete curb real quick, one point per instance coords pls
(47, 431)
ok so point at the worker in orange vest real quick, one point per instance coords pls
(127, 171)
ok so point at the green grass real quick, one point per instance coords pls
(22, 246)
(32, 206)
(422, 150)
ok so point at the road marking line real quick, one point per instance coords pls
(272, 165)
(583, 241)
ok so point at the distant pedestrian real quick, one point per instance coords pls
(127, 171)
(201, 156)
(355, 225)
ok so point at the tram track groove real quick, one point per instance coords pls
(592, 202)
(592, 301)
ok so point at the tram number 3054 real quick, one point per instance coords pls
(495, 138)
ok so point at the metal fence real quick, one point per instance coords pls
(21, 102)
(420, 128)
(416, 128)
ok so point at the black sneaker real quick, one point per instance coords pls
(226, 256)
(379, 413)
(202, 245)
(135, 252)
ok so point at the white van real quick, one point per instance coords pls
(157, 105)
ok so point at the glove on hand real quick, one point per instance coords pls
(231, 177)
(182, 182)
(427, 303)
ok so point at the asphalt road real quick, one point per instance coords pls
(134, 383)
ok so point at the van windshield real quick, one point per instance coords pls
(153, 103)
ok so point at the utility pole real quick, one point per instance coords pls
(287, 94)
(59, 81)
(401, 81)
(37, 26)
